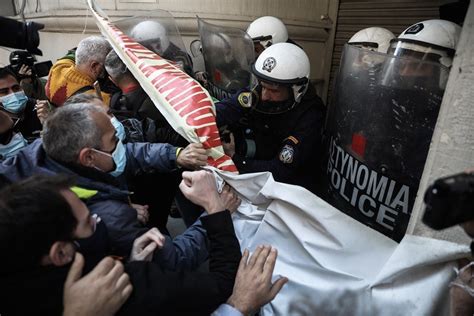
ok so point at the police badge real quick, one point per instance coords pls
(286, 154)
(269, 64)
(245, 99)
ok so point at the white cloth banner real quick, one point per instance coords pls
(336, 265)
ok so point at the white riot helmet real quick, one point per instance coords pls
(152, 35)
(220, 43)
(284, 64)
(431, 40)
(372, 38)
(268, 30)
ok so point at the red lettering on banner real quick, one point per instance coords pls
(185, 106)
(220, 161)
(157, 81)
(176, 90)
(211, 131)
(132, 56)
(134, 46)
(198, 117)
(148, 70)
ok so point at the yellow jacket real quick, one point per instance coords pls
(64, 80)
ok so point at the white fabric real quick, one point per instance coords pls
(325, 252)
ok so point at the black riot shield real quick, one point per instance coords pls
(380, 125)
(228, 53)
(158, 31)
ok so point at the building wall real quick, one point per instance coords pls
(452, 145)
(310, 23)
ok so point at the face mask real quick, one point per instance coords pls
(274, 107)
(119, 129)
(11, 149)
(14, 102)
(119, 157)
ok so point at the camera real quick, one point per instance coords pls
(19, 58)
(450, 201)
(20, 35)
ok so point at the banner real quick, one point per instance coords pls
(335, 264)
(182, 101)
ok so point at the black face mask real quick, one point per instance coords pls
(270, 107)
(274, 107)
(106, 85)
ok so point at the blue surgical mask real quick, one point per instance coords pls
(119, 129)
(17, 143)
(119, 156)
(14, 102)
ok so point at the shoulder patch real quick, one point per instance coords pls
(286, 154)
(245, 99)
(293, 139)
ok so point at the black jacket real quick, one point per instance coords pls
(155, 292)
(29, 125)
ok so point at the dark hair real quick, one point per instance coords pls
(33, 216)
(116, 68)
(82, 98)
(5, 72)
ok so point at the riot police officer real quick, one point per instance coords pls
(154, 36)
(277, 125)
(266, 31)
(375, 164)
(372, 38)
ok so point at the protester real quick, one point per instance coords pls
(44, 216)
(102, 164)
(22, 65)
(76, 72)
(133, 102)
(20, 122)
(253, 285)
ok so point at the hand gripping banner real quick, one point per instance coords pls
(183, 102)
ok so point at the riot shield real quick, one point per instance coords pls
(380, 125)
(228, 53)
(157, 31)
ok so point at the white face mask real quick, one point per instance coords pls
(17, 143)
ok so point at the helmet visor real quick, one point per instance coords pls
(420, 51)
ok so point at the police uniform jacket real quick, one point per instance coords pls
(286, 144)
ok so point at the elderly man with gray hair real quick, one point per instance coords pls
(77, 71)
(79, 140)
